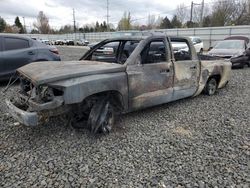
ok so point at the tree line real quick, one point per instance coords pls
(217, 13)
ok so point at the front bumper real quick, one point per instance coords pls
(40, 112)
(24, 117)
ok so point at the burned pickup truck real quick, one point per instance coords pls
(116, 76)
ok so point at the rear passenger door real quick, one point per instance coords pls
(187, 69)
(17, 53)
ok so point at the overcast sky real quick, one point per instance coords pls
(60, 12)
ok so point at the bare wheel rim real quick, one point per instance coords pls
(108, 121)
(212, 85)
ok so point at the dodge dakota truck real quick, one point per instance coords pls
(115, 76)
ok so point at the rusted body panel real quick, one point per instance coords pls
(219, 68)
(46, 72)
(77, 89)
(134, 84)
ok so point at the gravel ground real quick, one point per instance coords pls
(196, 142)
(71, 53)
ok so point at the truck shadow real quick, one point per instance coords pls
(57, 125)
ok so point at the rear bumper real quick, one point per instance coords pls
(25, 118)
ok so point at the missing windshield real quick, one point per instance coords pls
(114, 51)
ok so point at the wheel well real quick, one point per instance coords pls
(114, 96)
(216, 77)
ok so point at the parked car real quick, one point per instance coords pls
(45, 41)
(197, 42)
(231, 48)
(94, 90)
(82, 42)
(17, 51)
(70, 43)
(60, 42)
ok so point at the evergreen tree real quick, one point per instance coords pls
(2, 24)
(19, 25)
(175, 22)
(166, 24)
(97, 27)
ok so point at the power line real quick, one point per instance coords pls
(173, 10)
(162, 13)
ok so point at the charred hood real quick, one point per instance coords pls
(50, 71)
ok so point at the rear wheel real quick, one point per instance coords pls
(211, 86)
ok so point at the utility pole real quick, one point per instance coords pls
(107, 15)
(202, 11)
(24, 26)
(74, 20)
(191, 13)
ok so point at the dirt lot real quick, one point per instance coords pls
(196, 142)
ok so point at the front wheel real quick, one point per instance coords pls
(211, 86)
(101, 117)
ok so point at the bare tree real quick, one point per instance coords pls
(151, 22)
(11, 29)
(125, 22)
(230, 12)
(182, 13)
(42, 23)
(241, 13)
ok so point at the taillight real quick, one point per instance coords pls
(55, 51)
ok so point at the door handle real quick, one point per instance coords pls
(31, 53)
(193, 67)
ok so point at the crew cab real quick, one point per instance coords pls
(116, 76)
